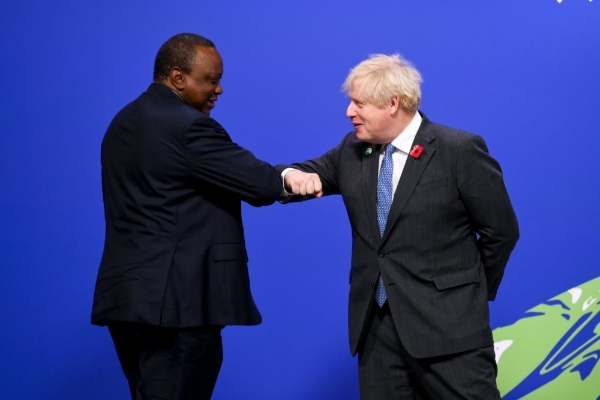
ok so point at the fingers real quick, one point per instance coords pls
(292, 181)
(303, 183)
(312, 185)
(318, 186)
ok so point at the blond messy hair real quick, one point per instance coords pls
(383, 77)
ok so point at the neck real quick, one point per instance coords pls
(401, 121)
(404, 118)
(178, 95)
(168, 84)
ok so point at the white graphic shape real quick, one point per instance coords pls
(588, 303)
(575, 294)
(500, 347)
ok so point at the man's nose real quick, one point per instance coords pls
(350, 111)
(219, 89)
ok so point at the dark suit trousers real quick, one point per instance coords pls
(168, 363)
(387, 371)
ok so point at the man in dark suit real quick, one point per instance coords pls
(432, 230)
(174, 267)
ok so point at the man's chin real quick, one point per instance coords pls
(208, 107)
(362, 136)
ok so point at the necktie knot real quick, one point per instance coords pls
(389, 149)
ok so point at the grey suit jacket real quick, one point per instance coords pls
(449, 235)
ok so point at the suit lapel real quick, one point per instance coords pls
(370, 166)
(413, 169)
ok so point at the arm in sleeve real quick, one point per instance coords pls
(213, 158)
(326, 166)
(485, 197)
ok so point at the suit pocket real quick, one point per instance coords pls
(458, 278)
(230, 260)
(431, 185)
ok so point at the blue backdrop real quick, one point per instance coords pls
(523, 74)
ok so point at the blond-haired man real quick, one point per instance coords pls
(432, 230)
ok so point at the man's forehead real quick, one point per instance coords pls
(355, 92)
(356, 85)
(208, 59)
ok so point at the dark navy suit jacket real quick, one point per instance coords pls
(173, 182)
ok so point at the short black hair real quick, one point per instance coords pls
(178, 51)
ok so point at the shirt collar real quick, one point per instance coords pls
(406, 138)
(178, 95)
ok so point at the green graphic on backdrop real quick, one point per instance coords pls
(553, 352)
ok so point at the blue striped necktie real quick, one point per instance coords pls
(384, 203)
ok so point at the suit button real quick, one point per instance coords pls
(381, 255)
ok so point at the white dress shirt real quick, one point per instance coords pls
(402, 143)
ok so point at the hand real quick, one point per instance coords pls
(303, 183)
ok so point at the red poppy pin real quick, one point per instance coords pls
(416, 151)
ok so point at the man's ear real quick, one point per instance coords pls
(177, 78)
(394, 105)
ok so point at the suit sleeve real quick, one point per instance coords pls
(326, 166)
(213, 158)
(485, 197)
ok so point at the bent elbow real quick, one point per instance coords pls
(268, 195)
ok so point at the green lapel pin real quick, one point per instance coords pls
(368, 151)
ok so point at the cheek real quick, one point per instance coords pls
(361, 116)
(377, 121)
(367, 120)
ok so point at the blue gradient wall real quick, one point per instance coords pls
(524, 75)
